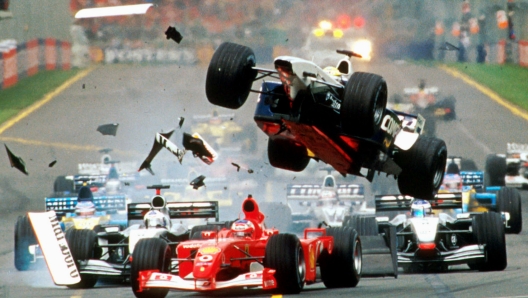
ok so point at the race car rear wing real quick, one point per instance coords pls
(403, 203)
(313, 191)
(473, 178)
(177, 210)
(63, 205)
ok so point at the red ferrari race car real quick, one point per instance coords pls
(248, 255)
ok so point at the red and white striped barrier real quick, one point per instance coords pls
(21, 60)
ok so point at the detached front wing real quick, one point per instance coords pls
(462, 255)
(152, 279)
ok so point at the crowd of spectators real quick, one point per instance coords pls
(268, 22)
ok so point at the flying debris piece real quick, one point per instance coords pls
(237, 166)
(51, 164)
(173, 34)
(127, 183)
(199, 147)
(108, 129)
(250, 171)
(181, 121)
(16, 162)
(448, 47)
(111, 11)
(198, 182)
(161, 140)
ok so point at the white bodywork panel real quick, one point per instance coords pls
(55, 248)
(425, 228)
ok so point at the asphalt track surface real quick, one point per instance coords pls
(145, 100)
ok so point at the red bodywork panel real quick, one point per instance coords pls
(325, 148)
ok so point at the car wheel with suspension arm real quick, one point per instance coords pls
(230, 75)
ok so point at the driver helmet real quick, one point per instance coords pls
(420, 208)
(85, 208)
(155, 219)
(242, 228)
(333, 71)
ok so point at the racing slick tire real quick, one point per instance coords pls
(285, 255)
(495, 170)
(82, 243)
(364, 225)
(150, 254)
(509, 200)
(423, 167)
(364, 103)
(230, 75)
(24, 237)
(488, 229)
(62, 184)
(342, 268)
(287, 155)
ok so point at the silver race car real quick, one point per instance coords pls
(431, 240)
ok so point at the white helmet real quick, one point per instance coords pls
(155, 219)
(420, 208)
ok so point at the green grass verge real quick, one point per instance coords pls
(31, 89)
(508, 81)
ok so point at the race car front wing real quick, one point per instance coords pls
(155, 279)
(459, 256)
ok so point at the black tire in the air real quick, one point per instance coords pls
(24, 237)
(82, 245)
(150, 254)
(363, 106)
(230, 75)
(509, 200)
(62, 184)
(364, 225)
(423, 167)
(495, 170)
(342, 268)
(285, 255)
(488, 229)
(287, 155)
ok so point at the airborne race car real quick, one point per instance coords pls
(248, 255)
(338, 119)
(434, 242)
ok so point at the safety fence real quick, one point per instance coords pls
(26, 59)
